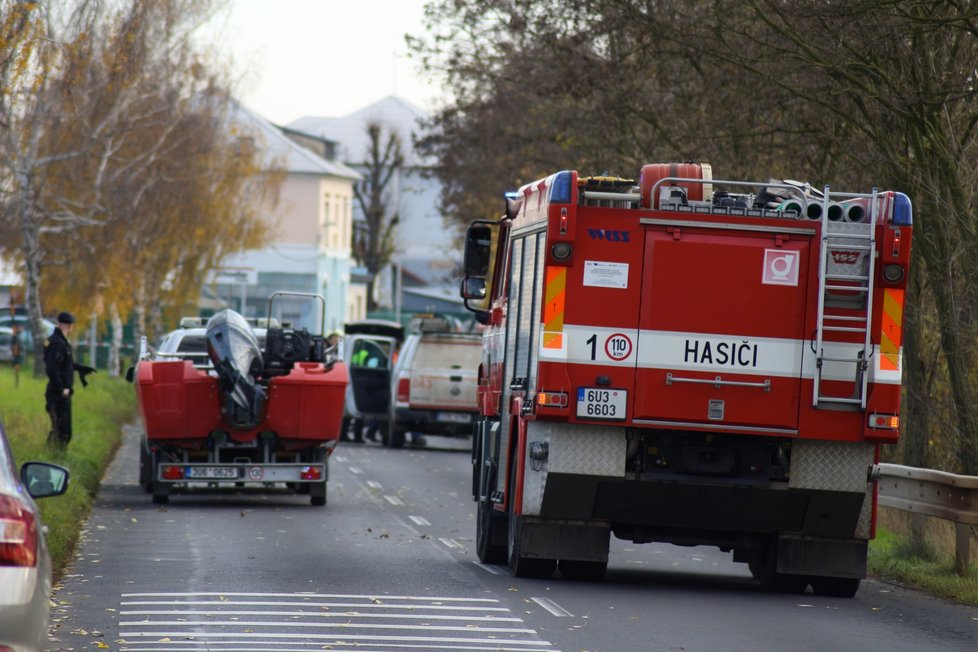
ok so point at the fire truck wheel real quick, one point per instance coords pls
(764, 568)
(520, 566)
(835, 587)
(582, 571)
(489, 528)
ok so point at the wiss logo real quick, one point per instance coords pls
(841, 257)
(608, 235)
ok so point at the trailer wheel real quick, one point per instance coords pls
(160, 491)
(836, 587)
(489, 532)
(582, 571)
(521, 566)
(145, 467)
(317, 494)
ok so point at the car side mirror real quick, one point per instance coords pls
(43, 480)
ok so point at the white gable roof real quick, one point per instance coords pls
(391, 112)
(279, 150)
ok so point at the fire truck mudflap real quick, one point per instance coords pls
(666, 360)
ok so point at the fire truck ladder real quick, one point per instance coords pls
(855, 244)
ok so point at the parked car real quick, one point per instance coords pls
(6, 338)
(434, 383)
(370, 347)
(6, 320)
(190, 341)
(25, 564)
(26, 340)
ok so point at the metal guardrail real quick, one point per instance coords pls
(934, 493)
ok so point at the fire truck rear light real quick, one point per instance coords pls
(172, 472)
(18, 534)
(311, 473)
(561, 251)
(893, 273)
(552, 399)
(884, 421)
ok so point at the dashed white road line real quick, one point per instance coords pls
(419, 520)
(355, 470)
(488, 568)
(552, 607)
(373, 484)
(393, 500)
(451, 543)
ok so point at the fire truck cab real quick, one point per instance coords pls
(688, 360)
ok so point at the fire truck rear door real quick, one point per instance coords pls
(721, 324)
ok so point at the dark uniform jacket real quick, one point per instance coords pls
(58, 363)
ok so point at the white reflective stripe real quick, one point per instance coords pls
(761, 356)
(765, 357)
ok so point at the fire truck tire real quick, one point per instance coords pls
(835, 587)
(521, 566)
(489, 530)
(764, 568)
(582, 571)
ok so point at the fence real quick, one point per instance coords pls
(934, 493)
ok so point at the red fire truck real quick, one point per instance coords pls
(688, 360)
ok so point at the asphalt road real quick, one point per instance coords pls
(389, 564)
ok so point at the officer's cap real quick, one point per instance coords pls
(66, 318)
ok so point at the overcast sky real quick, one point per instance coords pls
(321, 57)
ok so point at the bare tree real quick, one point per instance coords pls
(374, 244)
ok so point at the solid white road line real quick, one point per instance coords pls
(271, 603)
(314, 614)
(296, 624)
(335, 596)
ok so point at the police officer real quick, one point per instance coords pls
(61, 368)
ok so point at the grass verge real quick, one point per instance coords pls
(99, 411)
(892, 557)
